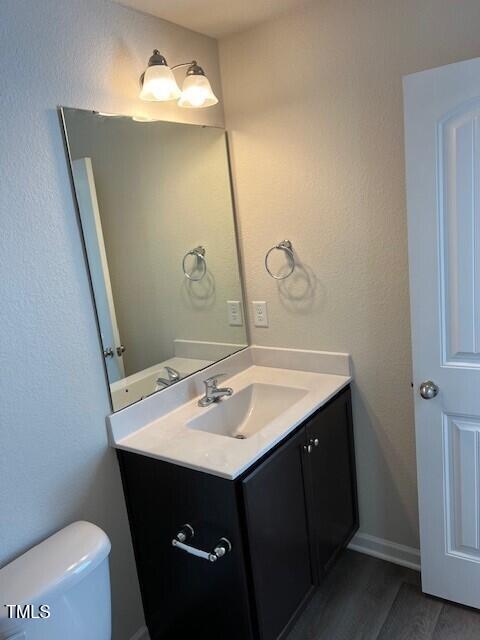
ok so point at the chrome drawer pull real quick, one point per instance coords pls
(186, 532)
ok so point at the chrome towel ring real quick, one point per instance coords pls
(284, 245)
(199, 253)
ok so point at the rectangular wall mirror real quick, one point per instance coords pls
(155, 205)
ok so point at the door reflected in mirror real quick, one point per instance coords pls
(155, 205)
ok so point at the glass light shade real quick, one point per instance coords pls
(197, 93)
(159, 84)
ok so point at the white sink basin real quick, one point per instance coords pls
(267, 404)
(248, 410)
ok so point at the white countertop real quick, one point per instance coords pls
(168, 438)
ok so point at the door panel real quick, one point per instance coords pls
(442, 111)
(331, 469)
(462, 482)
(278, 537)
(460, 236)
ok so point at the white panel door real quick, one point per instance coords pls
(442, 132)
(83, 178)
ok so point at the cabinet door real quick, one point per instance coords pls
(185, 596)
(276, 519)
(331, 480)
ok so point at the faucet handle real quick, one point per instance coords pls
(212, 380)
(172, 373)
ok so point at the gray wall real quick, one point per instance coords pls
(55, 464)
(314, 103)
(163, 189)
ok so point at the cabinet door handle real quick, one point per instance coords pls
(313, 442)
(186, 532)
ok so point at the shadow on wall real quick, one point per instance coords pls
(300, 290)
(199, 294)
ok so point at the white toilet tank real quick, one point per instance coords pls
(66, 583)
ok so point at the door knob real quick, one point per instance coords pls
(108, 352)
(120, 350)
(428, 390)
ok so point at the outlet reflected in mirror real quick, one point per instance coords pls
(155, 205)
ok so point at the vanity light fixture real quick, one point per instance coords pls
(158, 84)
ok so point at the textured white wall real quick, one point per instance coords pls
(163, 189)
(314, 104)
(55, 465)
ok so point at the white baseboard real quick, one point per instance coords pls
(142, 634)
(386, 550)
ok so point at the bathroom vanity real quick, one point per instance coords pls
(231, 549)
(239, 499)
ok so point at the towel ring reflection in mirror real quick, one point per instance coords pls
(200, 264)
(284, 245)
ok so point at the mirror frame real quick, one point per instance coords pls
(61, 113)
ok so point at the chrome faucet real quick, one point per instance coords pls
(173, 376)
(212, 392)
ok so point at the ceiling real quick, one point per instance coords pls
(216, 18)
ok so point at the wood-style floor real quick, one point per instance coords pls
(368, 599)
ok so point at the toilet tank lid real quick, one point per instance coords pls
(53, 566)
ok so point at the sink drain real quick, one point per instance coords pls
(240, 436)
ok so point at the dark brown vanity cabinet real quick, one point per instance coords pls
(286, 517)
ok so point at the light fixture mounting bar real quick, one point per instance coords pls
(183, 64)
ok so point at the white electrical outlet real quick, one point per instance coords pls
(260, 313)
(235, 317)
